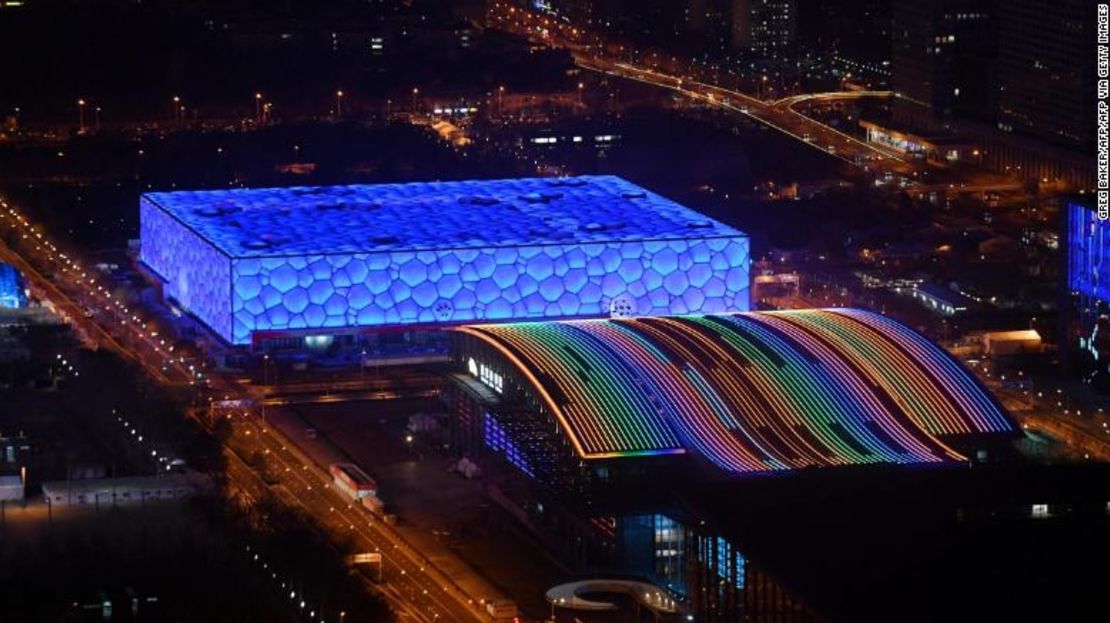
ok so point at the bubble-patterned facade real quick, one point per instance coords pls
(336, 258)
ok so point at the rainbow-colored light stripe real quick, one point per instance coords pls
(750, 392)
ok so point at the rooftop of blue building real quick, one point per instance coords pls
(433, 216)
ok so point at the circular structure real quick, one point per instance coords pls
(569, 595)
(622, 307)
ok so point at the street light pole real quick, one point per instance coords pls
(265, 383)
(80, 116)
(415, 92)
(339, 104)
(258, 107)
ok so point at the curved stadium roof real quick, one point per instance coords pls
(751, 392)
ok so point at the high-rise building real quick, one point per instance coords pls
(1085, 306)
(942, 57)
(708, 25)
(1013, 78)
(1046, 74)
(713, 27)
(763, 25)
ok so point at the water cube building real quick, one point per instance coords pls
(256, 264)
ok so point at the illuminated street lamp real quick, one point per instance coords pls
(176, 109)
(80, 116)
(581, 86)
(96, 111)
(415, 92)
(265, 383)
(258, 106)
(339, 103)
(500, 92)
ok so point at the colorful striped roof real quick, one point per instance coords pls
(751, 392)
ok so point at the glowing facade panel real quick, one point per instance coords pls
(12, 293)
(195, 273)
(1088, 249)
(402, 254)
(750, 392)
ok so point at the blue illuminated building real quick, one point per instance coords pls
(308, 260)
(1087, 318)
(1088, 249)
(12, 293)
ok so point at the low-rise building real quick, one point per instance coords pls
(941, 300)
(125, 490)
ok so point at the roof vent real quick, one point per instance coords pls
(634, 194)
(540, 197)
(700, 224)
(219, 209)
(534, 198)
(479, 200)
(384, 240)
(572, 182)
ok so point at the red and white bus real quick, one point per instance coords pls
(352, 480)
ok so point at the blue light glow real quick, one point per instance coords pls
(446, 252)
(499, 441)
(1088, 252)
(12, 294)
